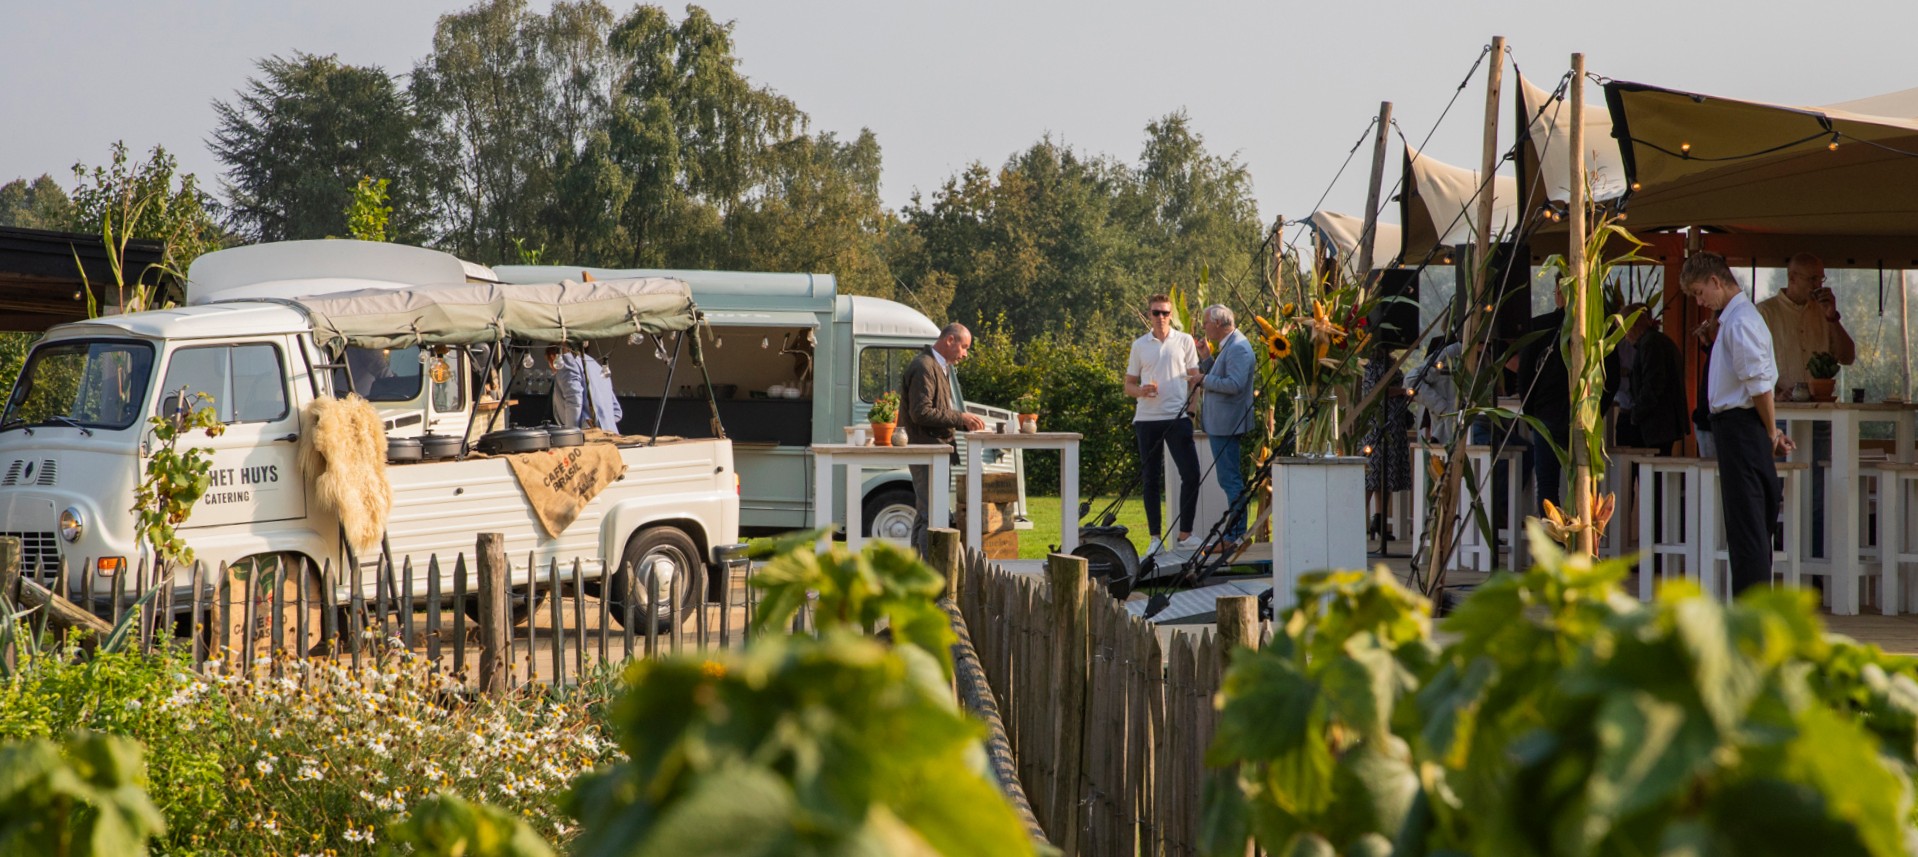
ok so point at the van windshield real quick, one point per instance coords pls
(92, 383)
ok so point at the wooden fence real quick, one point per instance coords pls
(487, 620)
(1109, 726)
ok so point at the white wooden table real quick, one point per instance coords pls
(977, 442)
(1841, 496)
(857, 459)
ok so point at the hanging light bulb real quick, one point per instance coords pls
(765, 342)
(1685, 147)
(426, 357)
(526, 360)
(635, 338)
(719, 342)
(1833, 145)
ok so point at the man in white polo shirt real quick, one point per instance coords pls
(1744, 427)
(1158, 373)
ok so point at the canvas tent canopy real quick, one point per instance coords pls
(474, 313)
(1439, 206)
(1751, 167)
(1546, 118)
(1342, 234)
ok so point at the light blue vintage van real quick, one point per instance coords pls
(792, 362)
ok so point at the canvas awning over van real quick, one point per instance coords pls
(1748, 166)
(472, 313)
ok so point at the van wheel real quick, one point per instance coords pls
(890, 513)
(520, 609)
(663, 553)
(276, 583)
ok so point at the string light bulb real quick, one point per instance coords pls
(526, 360)
(1833, 145)
(1685, 147)
(1636, 186)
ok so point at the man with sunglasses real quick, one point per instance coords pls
(1159, 374)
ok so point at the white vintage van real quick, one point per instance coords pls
(270, 328)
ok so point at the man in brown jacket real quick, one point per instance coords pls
(929, 413)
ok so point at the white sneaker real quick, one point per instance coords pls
(1155, 546)
(1191, 542)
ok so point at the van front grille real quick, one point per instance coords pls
(20, 471)
(38, 551)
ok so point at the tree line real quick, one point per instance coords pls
(585, 136)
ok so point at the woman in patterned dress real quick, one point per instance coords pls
(1388, 453)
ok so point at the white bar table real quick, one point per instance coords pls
(857, 459)
(977, 442)
(1841, 495)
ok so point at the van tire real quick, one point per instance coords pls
(645, 550)
(890, 513)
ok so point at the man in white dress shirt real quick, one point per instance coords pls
(1739, 391)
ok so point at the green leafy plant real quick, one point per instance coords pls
(854, 591)
(175, 479)
(838, 745)
(84, 797)
(369, 213)
(446, 826)
(1027, 403)
(885, 409)
(1562, 717)
(1822, 365)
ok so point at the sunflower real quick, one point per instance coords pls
(1278, 346)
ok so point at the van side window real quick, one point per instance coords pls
(247, 382)
(880, 369)
(381, 374)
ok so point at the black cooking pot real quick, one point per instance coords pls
(562, 436)
(402, 449)
(514, 440)
(437, 446)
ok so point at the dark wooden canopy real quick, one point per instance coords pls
(40, 275)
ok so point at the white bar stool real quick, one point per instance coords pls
(1672, 536)
(1891, 551)
(1785, 556)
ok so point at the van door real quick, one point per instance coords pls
(256, 470)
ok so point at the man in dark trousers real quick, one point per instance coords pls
(930, 415)
(1658, 384)
(1744, 425)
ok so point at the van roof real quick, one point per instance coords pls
(239, 318)
(291, 269)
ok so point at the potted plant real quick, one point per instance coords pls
(884, 415)
(1824, 376)
(1028, 407)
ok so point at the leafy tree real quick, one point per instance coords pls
(297, 138)
(820, 212)
(1192, 212)
(85, 796)
(40, 204)
(148, 200)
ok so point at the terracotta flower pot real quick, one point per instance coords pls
(1822, 389)
(882, 434)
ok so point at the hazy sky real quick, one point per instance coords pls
(1286, 87)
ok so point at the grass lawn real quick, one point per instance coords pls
(1034, 543)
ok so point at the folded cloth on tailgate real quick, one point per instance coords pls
(560, 482)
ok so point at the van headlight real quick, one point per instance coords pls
(71, 524)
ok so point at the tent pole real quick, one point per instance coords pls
(1369, 236)
(1904, 328)
(1446, 516)
(1581, 311)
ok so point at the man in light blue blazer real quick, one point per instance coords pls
(1227, 413)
